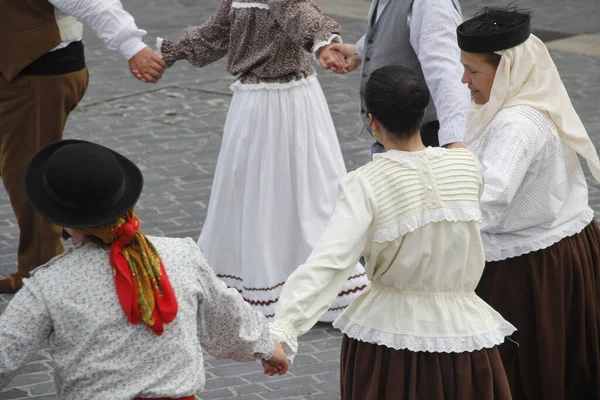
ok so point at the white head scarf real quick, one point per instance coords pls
(527, 76)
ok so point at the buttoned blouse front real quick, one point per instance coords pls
(414, 217)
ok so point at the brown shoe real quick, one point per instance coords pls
(12, 284)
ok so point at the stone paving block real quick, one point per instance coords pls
(248, 389)
(236, 369)
(33, 367)
(43, 388)
(13, 394)
(290, 382)
(328, 377)
(289, 392)
(314, 369)
(329, 355)
(324, 396)
(29, 379)
(219, 383)
(216, 394)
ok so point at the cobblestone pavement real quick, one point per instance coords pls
(173, 131)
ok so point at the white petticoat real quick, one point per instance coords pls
(274, 190)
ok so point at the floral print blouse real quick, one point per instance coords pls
(267, 41)
(98, 354)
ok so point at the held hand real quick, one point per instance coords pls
(147, 66)
(333, 60)
(350, 55)
(278, 363)
(456, 145)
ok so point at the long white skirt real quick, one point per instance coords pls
(274, 191)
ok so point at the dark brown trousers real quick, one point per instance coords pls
(33, 114)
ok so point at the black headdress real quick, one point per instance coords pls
(493, 29)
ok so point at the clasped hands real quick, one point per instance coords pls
(147, 66)
(339, 58)
(278, 363)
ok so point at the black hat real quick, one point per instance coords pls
(493, 29)
(79, 184)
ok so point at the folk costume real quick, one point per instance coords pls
(541, 242)
(280, 162)
(42, 79)
(126, 315)
(419, 331)
(420, 35)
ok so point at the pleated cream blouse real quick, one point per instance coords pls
(414, 216)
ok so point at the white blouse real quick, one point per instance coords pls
(98, 354)
(414, 217)
(535, 192)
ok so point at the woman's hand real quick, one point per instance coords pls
(278, 363)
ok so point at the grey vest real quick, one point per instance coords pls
(387, 43)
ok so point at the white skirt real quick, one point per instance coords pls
(274, 191)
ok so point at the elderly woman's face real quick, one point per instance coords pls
(479, 73)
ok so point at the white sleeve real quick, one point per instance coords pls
(311, 289)
(360, 47)
(432, 27)
(504, 164)
(229, 327)
(24, 327)
(115, 26)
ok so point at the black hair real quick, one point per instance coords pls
(490, 20)
(397, 97)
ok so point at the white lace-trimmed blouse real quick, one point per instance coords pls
(414, 217)
(535, 191)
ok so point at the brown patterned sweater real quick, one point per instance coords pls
(267, 41)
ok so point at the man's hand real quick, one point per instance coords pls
(278, 363)
(456, 145)
(147, 66)
(332, 59)
(350, 55)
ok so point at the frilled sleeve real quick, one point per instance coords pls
(312, 287)
(24, 327)
(201, 45)
(512, 148)
(304, 23)
(229, 327)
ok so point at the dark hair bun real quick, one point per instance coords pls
(397, 97)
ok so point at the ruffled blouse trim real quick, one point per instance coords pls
(159, 42)
(237, 85)
(318, 45)
(408, 157)
(237, 4)
(517, 249)
(287, 336)
(411, 224)
(429, 344)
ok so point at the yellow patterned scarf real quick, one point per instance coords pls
(142, 284)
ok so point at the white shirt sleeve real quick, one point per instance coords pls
(312, 287)
(115, 26)
(360, 47)
(432, 27)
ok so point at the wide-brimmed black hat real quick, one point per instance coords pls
(78, 184)
(493, 29)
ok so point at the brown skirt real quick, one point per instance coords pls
(552, 297)
(373, 372)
